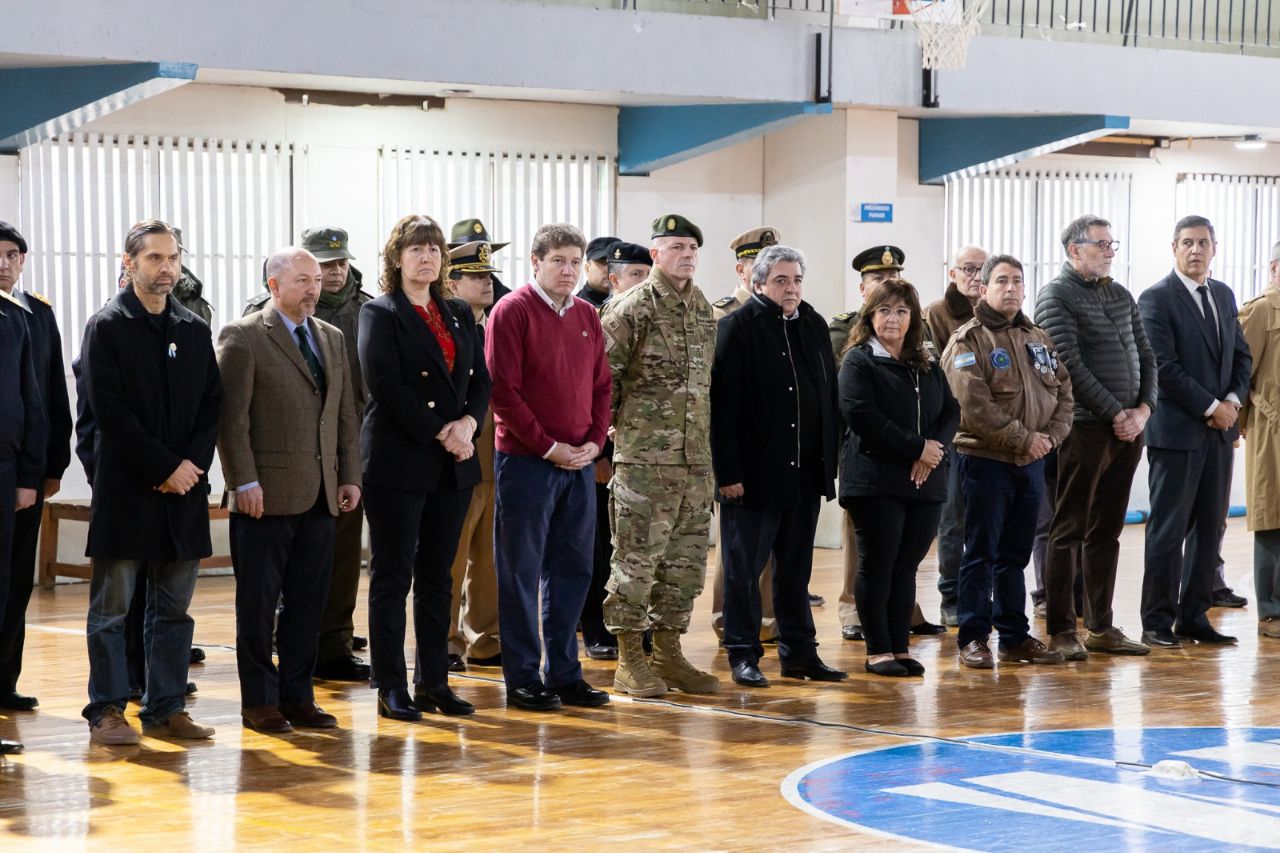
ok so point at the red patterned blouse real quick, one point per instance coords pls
(431, 316)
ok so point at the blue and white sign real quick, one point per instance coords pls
(1060, 791)
(873, 211)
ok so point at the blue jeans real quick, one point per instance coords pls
(167, 631)
(1002, 501)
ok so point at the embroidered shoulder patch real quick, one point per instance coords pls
(964, 359)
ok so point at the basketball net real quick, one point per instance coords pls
(945, 26)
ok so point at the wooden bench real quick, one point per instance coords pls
(56, 512)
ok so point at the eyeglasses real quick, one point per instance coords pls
(970, 271)
(1103, 245)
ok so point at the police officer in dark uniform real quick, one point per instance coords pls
(189, 291)
(340, 299)
(472, 231)
(46, 355)
(595, 263)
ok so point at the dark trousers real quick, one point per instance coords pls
(134, 622)
(1095, 471)
(543, 532)
(1044, 522)
(13, 623)
(336, 625)
(8, 520)
(413, 536)
(752, 535)
(285, 559)
(1002, 501)
(1266, 573)
(593, 630)
(951, 536)
(894, 534)
(1189, 493)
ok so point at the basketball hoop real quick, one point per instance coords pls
(945, 26)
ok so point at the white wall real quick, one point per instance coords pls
(9, 187)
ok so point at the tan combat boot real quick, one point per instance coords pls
(672, 667)
(633, 675)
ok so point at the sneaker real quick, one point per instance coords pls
(112, 729)
(1067, 644)
(180, 725)
(1113, 642)
(1030, 650)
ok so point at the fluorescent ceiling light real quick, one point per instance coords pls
(1252, 142)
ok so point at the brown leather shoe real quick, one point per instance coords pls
(265, 718)
(1269, 628)
(976, 655)
(308, 715)
(1030, 650)
(180, 725)
(1067, 644)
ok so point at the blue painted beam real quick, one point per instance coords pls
(38, 103)
(971, 146)
(653, 137)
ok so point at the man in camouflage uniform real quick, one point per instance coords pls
(660, 339)
(340, 301)
(189, 291)
(746, 247)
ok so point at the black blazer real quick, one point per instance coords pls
(890, 423)
(51, 377)
(754, 403)
(412, 395)
(127, 374)
(22, 422)
(1193, 368)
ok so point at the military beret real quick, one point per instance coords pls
(629, 253)
(472, 231)
(327, 244)
(598, 249)
(749, 243)
(473, 258)
(879, 258)
(675, 225)
(10, 234)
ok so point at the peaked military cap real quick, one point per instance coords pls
(10, 234)
(472, 231)
(879, 258)
(629, 253)
(675, 225)
(471, 258)
(327, 244)
(748, 244)
(598, 249)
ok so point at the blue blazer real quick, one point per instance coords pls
(1194, 369)
(412, 394)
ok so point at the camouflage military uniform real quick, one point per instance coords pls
(660, 348)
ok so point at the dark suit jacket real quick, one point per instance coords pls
(277, 428)
(1194, 369)
(412, 395)
(22, 423)
(128, 373)
(51, 376)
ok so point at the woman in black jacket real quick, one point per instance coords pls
(423, 361)
(896, 401)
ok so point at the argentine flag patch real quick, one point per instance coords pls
(965, 359)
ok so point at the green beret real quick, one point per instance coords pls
(675, 225)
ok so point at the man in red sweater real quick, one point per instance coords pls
(550, 399)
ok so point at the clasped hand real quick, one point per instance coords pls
(572, 458)
(456, 437)
(931, 457)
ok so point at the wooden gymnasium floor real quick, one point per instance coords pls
(645, 774)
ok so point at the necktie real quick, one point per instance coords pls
(309, 356)
(1208, 312)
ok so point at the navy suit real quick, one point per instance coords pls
(1190, 462)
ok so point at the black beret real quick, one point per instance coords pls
(629, 253)
(9, 233)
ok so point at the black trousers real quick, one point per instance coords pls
(285, 559)
(1095, 471)
(752, 534)
(337, 625)
(8, 520)
(13, 623)
(894, 535)
(413, 536)
(593, 630)
(1189, 494)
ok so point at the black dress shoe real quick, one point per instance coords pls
(748, 674)
(812, 669)
(197, 655)
(928, 629)
(394, 704)
(350, 668)
(491, 660)
(853, 632)
(191, 688)
(581, 694)
(891, 668)
(15, 701)
(816, 600)
(359, 644)
(1208, 636)
(8, 747)
(456, 664)
(1162, 638)
(534, 697)
(602, 651)
(441, 698)
(911, 665)
(1227, 598)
